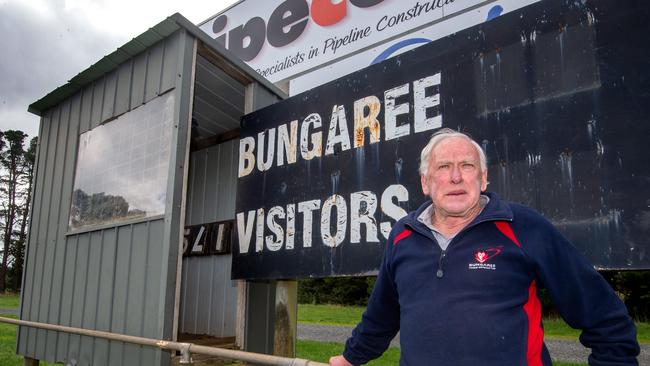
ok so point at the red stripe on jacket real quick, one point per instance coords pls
(402, 235)
(532, 308)
(505, 229)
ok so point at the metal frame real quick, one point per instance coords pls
(186, 349)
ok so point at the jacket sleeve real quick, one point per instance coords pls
(380, 322)
(582, 296)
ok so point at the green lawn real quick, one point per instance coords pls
(8, 356)
(330, 314)
(9, 300)
(322, 351)
(8, 344)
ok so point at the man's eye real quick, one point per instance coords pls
(443, 166)
(468, 166)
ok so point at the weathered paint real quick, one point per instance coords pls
(555, 93)
(363, 121)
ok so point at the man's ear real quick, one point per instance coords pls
(484, 181)
(425, 187)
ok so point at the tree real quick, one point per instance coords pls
(13, 169)
(17, 249)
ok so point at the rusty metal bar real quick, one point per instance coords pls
(186, 349)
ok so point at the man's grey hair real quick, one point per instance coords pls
(444, 134)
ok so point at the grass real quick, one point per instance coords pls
(330, 314)
(554, 328)
(8, 344)
(322, 351)
(9, 300)
(8, 356)
(558, 329)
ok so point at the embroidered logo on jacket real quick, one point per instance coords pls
(482, 256)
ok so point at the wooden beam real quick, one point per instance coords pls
(214, 140)
(223, 64)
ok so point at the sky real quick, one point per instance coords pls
(45, 43)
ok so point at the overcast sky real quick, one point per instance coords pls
(45, 43)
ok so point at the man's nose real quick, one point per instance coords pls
(456, 177)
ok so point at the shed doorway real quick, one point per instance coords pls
(208, 297)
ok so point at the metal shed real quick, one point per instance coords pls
(106, 261)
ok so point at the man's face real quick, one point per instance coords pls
(454, 180)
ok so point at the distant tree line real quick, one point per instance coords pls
(16, 176)
(99, 208)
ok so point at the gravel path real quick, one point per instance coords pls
(10, 311)
(567, 351)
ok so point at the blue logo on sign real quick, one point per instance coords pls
(494, 12)
(401, 44)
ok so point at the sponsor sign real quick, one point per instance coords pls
(555, 94)
(282, 39)
(417, 37)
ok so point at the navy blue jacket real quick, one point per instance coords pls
(476, 302)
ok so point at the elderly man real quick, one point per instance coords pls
(460, 278)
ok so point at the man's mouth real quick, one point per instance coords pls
(456, 193)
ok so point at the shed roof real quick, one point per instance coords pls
(138, 44)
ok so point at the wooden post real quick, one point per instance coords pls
(286, 319)
(240, 321)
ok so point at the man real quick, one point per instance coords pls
(460, 278)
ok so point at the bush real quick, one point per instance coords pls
(634, 289)
(335, 290)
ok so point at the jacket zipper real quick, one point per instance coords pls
(441, 271)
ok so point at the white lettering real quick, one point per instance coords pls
(287, 143)
(265, 164)
(369, 121)
(218, 246)
(261, 153)
(341, 218)
(274, 242)
(340, 123)
(362, 211)
(281, 220)
(198, 248)
(306, 209)
(246, 156)
(316, 137)
(245, 230)
(392, 111)
(259, 233)
(391, 209)
(291, 225)
(422, 103)
(186, 243)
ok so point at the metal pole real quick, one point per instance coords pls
(186, 349)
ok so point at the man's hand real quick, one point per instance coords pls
(339, 361)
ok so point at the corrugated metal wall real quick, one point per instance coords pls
(208, 296)
(112, 279)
